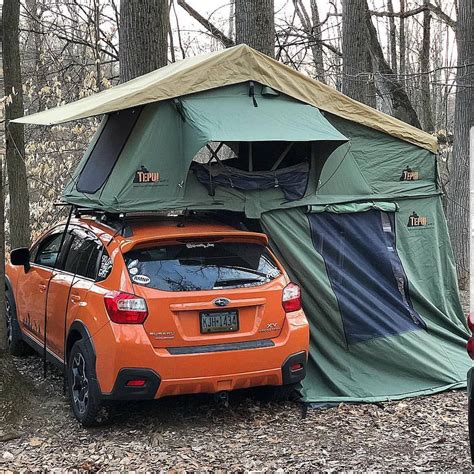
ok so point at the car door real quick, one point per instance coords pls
(31, 288)
(70, 284)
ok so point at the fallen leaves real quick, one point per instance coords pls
(194, 434)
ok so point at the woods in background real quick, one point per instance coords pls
(413, 59)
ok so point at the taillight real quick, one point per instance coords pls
(291, 300)
(470, 343)
(470, 321)
(470, 347)
(125, 308)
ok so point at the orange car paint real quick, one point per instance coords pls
(172, 320)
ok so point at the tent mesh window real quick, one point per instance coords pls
(107, 150)
(255, 166)
(366, 273)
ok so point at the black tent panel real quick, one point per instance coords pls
(107, 149)
(366, 273)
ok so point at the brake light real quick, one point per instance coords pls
(124, 308)
(291, 300)
(470, 347)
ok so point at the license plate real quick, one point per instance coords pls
(219, 321)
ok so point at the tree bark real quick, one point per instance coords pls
(15, 142)
(457, 206)
(255, 25)
(3, 327)
(402, 48)
(393, 38)
(143, 37)
(391, 91)
(312, 29)
(427, 115)
(357, 79)
(218, 34)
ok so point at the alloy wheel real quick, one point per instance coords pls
(80, 383)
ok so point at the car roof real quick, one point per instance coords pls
(146, 229)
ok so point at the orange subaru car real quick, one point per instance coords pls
(145, 308)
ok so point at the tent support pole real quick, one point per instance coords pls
(282, 156)
(63, 238)
(250, 157)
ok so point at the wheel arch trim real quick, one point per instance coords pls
(78, 327)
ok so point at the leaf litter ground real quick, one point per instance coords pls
(194, 433)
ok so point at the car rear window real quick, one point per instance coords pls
(193, 266)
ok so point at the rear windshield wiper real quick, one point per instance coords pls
(244, 269)
(236, 281)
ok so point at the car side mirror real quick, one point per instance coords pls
(21, 256)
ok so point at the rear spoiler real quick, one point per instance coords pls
(236, 236)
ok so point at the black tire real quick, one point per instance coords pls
(278, 393)
(83, 390)
(16, 345)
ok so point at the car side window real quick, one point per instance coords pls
(47, 250)
(83, 255)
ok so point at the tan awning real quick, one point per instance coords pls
(230, 66)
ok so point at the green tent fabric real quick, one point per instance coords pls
(412, 363)
(354, 207)
(167, 136)
(367, 242)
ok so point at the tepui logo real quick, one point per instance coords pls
(409, 175)
(144, 176)
(417, 221)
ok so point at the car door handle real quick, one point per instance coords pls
(75, 298)
(42, 287)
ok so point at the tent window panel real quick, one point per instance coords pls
(107, 150)
(366, 273)
(251, 166)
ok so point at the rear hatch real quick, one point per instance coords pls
(210, 291)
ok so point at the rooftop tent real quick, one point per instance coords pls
(347, 196)
(140, 157)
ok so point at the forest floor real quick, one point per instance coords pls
(194, 433)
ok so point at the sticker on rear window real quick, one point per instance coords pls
(133, 271)
(141, 279)
(133, 263)
(203, 245)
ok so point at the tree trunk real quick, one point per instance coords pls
(34, 49)
(3, 328)
(15, 144)
(312, 29)
(255, 25)
(392, 92)
(402, 48)
(457, 208)
(143, 37)
(357, 79)
(393, 38)
(427, 115)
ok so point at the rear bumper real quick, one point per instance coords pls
(153, 388)
(175, 372)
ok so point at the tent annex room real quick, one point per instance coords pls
(346, 194)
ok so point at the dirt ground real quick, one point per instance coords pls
(194, 433)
